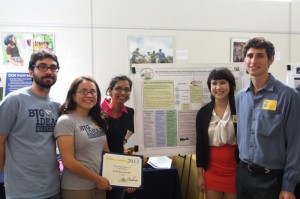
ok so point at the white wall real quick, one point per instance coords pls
(219, 15)
(91, 36)
(295, 31)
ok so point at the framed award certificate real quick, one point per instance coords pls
(123, 170)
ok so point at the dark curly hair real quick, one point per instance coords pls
(259, 43)
(39, 55)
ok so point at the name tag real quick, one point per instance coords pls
(234, 118)
(269, 105)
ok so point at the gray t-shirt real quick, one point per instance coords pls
(31, 167)
(89, 140)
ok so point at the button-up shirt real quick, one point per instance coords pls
(221, 130)
(107, 108)
(268, 129)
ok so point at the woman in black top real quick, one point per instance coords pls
(216, 138)
(120, 122)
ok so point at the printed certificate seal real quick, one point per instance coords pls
(123, 170)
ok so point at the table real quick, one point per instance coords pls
(158, 184)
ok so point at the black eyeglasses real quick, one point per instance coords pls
(120, 89)
(44, 67)
(85, 91)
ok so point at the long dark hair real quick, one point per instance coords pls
(97, 114)
(224, 73)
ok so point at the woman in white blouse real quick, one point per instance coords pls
(216, 148)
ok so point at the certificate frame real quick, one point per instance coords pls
(123, 170)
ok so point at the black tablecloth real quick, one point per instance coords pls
(158, 184)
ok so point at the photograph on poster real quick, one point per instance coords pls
(43, 41)
(17, 47)
(150, 49)
(236, 49)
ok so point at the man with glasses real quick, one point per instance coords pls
(27, 144)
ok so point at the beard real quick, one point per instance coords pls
(44, 84)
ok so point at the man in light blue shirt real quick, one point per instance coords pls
(268, 129)
(161, 57)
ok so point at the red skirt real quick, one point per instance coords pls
(221, 172)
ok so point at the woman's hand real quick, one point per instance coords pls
(103, 184)
(200, 180)
(130, 190)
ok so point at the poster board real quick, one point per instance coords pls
(293, 74)
(166, 100)
(14, 70)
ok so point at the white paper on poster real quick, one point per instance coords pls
(182, 54)
(162, 162)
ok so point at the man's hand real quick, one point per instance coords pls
(287, 195)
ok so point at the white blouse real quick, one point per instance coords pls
(221, 131)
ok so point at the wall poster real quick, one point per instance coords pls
(236, 49)
(150, 49)
(15, 53)
(167, 99)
